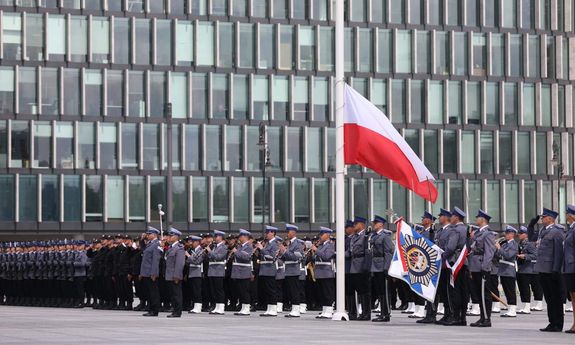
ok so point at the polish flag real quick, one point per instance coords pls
(370, 140)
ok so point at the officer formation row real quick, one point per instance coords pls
(216, 273)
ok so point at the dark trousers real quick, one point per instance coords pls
(349, 284)
(195, 289)
(493, 284)
(327, 291)
(554, 296)
(79, 290)
(459, 295)
(217, 285)
(360, 283)
(243, 290)
(153, 294)
(292, 288)
(509, 289)
(528, 283)
(176, 289)
(476, 284)
(380, 290)
(269, 287)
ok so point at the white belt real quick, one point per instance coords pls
(241, 264)
(266, 262)
(534, 261)
(291, 262)
(217, 263)
(507, 263)
(281, 267)
(323, 263)
(196, 266)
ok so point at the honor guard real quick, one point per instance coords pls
(175, 260)
(527, 278)
(242, 270)
(427, 222)
(324, 271)
(360, 267)
(150, 270)
(569, 260)
(549, 264)
(507, 253)
(381, 247)
(349, 292)
(481, 252)
(268, 270)
(194, 260)
(280, 274)
(217, 257)
(292, 258)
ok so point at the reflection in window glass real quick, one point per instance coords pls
(384, 51)
(100, 40)
(320, 99)
(136, 94)
(86, 145)
(509, 11)
(157, 94)
(492, 107)
(349, 53)
(205, 43)
(365, 50)
(491, 15)
(416, 11)
(108, 146)
(260, 98)
(321, 189)
(449, 152)
(523, 153)
(527, 14)
(551, 60)
(479, 54)
(546, 105)
(199, 199)
(411, 136)
(360, 198)
(20, 145)
(442, 53)
(42, 144)
(179, 95)
(399, 200)
(240, 8)
(314, 149)
(130, 147)
(460, 53)
(225, 44)
(28, 198)
(12, 36)
(276, 146)
(516, 55)
(473, 10)
(246, 46)
(497, 55)
(435, 12)
(266, 46)
(198, 7)
(281, 199)
(213, 140)
(78, 34)
(403, 52)
(151, 147)
(220, 206)
(505, 153)
(300, 99)
(260, 8)
(530, 199)
(234, 149)
(417, 101)
(242, 200)
(3, 144)
(122, 34)
(163, 41)
(379, 196)
(184, 43)
(115, 198)
(455, 103)
(512, 202)
(379, 94)
(306, 38)
(220, 96)
(137, 197)
(142, 37)
(254, 155)
(435, 111)
(240, 97)
(487, 166)
(93, 92)
(27, 87)
(397, 12)
(454, 12)
(431, 150)
(199, 95)
(71, 98)
(468, 154)
(528, 104)
(493, 201)
(286, 47)
(51, 91)
(398, 104)
(193, 147)
(6, 90)
(72, 198)
(475, 195)
(511, 107)
(64, 145)
(423, 52)
(115, 93)
(34, 37)
(94, 198)
(301, 202)
(294, 149)
(157, 195)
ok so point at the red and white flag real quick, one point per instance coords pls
(372, 141)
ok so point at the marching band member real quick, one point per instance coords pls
(292, 258)
(507, 253)
(242, 270)
(195, 259)
(323, 257)
(268, 271)
(217, 270)
(527, 278)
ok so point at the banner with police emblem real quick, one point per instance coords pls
(416, 260)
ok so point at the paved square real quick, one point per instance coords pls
(25, 325)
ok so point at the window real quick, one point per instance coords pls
(72, 90)
(260, 8)
(468, 152)
(435, 111)
(246, 46)
(220, 206)
(276, 147)
(3, 144)
(20, 145)
(198, 7)
(64, 145)
(220, 96)
(108, 146)
(130, 146)
(460, 53)
(157, 195)
(397, 12)
(379, 94)
(28, 198)
(411, 136)
(240, 97)
(294, 149)
(454, 12)
(301, 202)
(12, 36)
(509, 10)
(423, 52)
(314, 149)
(527, 14)
(286, 47)
(122, 33)
(143, 49)
(541, 153)
(34, 37)
(234, 148)
(240, 8)
(321, 189)
(199, 199)
(94, 198)
(365, 50)
(431, 150)
(320, 99)
(530, 199)
(475, 195)
(219, 7)
(6, 90)
(479, 54)
(28, 94)
(435, 12)
(260, 98)
(545, 14)
(79, 35)
(282, 199)
(493, 200)
(379, 195)
(528, 104)
(551, 60)
(115, 93)
(199, 95)
(205, 43)
(398, 104)
(473, 10)
(449, 152)
(491, 13)
(511, 106)
(358, 11)
(455, 103)
(137, 197)
(242, 199)
(86, 146)
(157, 98)
(306, 38)
(492, 111)
(360, 198)
(266, 46)
(523, 153)
(151, 146)
(92, 92)
(384, 51)
(349, 53)
(136, 94)
(72, 204)
(115, 198)
(516, 55)
(497, 55)
(399, 200)
(254, 154)
(51, 91)
(184, 43)
(213, 140)
(505, 153)
(163, 41)
(442, 53)
(319, 9)
(330, 149)
(403, 52)
(7, 197)
(512, 202)
(42, 144)
(179, 95)
(178, 7)
(416, 11)
(546, 105)
(486, 142)
(176, 147)
(300, 99)
(226, 45)
(100, 40)
(193, 147)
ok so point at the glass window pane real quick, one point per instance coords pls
(220, 96)
(475, 195)
(92, 92)
(226, 44)
(123, 34)
(294, 149)
(320, 99)
(184, 43)
(491, 13)
(435, 12)
(130, 147)
(479, 54)
(450, 152)
(267, 47)
(455, 103)
(511, 106)
(423, 52)
(314, 149)
(460, 53)
(179, 95)
(541, 153)
(198, 7)
(3, 144)
(360, 198)
(136, 94)
(157, 94)
(143, 50)
(349, 53)
(528, 104)
(72, 89)
(497, 55)
(454, 12)
(246, 46)
(115, 93)
(163, 41)
(530, 199)
(34, 37)
(242, 199)
(431, 150)
(397, 12)
(151, 150)
(301, 202)
(51, 91)
(300, 99)
(240, 8)
(205, 43)
(417, 101)
(442, 53)
(78, 34)
(199, 95)
(384, 51)
(100, 40)
(327, 46)
(254, 154)
(416, 8)
(512, 202)
(72, 198)
(193, 147)
(176, 147)
(115, 198)
(473, 10)
(436, 109)
(27, 87)
(286, 47)
(306, 41)
(403, 52)
(321, 189)
(399, 201)
(456, 193)
(260, 8)
(86, 146)
(20, 145)
(213, 141)
(64, 145)
(523, 153)
(28, 198)
(487, 166)
(516, 55)
(240, 97)
(157, 196)
(365, 42)
(545, 100)
(281, 199)
(505, 153)
(42, 144)
(509, 11)
(6, 90)
(137, 196)
(276, 147)
(380, 205)
(492, 111)
(260, 96)
(12, 36)
(281, 98)
(94, 198)
(220, 194)
(234, 148)
(493, 200)
(398, 104)
(527, 14)
(468, 152)
(108, 146)
(199, 199)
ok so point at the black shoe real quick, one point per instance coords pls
(482, 323)
(174, 315)
(403, 306)
(381, 318)
(455, 322)
(139, 307)
(550, 328)
(476, 323)
(150, 314)
(570, 331)
(426, 320)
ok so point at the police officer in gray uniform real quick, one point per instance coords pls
(349, 292)
(175, 260)
(360, 267)
(441, 238)
(194, 260)
(481, 252)
(150, 270)
(242, 270)
(527, 278)
(458, 295)
(507, 254)
(324, 271)
(80, 266)
(549, 264)
(280, 274)
(292, 258)
(569, 261)
(381, 247)
(217, 270)
(268, 270)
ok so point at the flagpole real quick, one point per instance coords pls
(340, 313)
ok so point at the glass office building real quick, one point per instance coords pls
(481, 90)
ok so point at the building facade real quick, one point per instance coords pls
(481, 90)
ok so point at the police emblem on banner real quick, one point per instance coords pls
(419, 257)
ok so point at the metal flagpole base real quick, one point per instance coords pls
(340, 316)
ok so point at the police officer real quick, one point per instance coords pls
(569, 260)
(280, 274)
(349, 292)
(150, 270)
(175, 260)
(459, 294)
(268, 270)
(80, 266)
(549, 263)
(324, 272)
(481, 252)
(292, 258)
(527, 278)
(425, 230)
(194, 260)
(216, 271)
(507, 254)
(360, 267)
(242, 270)
(382, 248)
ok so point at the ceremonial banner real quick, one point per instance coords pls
(416, 260)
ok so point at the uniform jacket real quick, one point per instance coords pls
(292, 257)
(457, 238)
(569, 250)
(218, 257)
(442, 236)
(324, 261)
(507, 255)
(527, 265)
(175, 260)
(347, 245)
(425, 233)
(242, 264)
(151, 259)
(281, 269)
(80, 263)
(549, 250)
(482, 250)
(124, 260)
(382, 249)
(358, 250)
(195, 262)
(268, 259)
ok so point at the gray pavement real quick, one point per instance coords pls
(26, 325)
